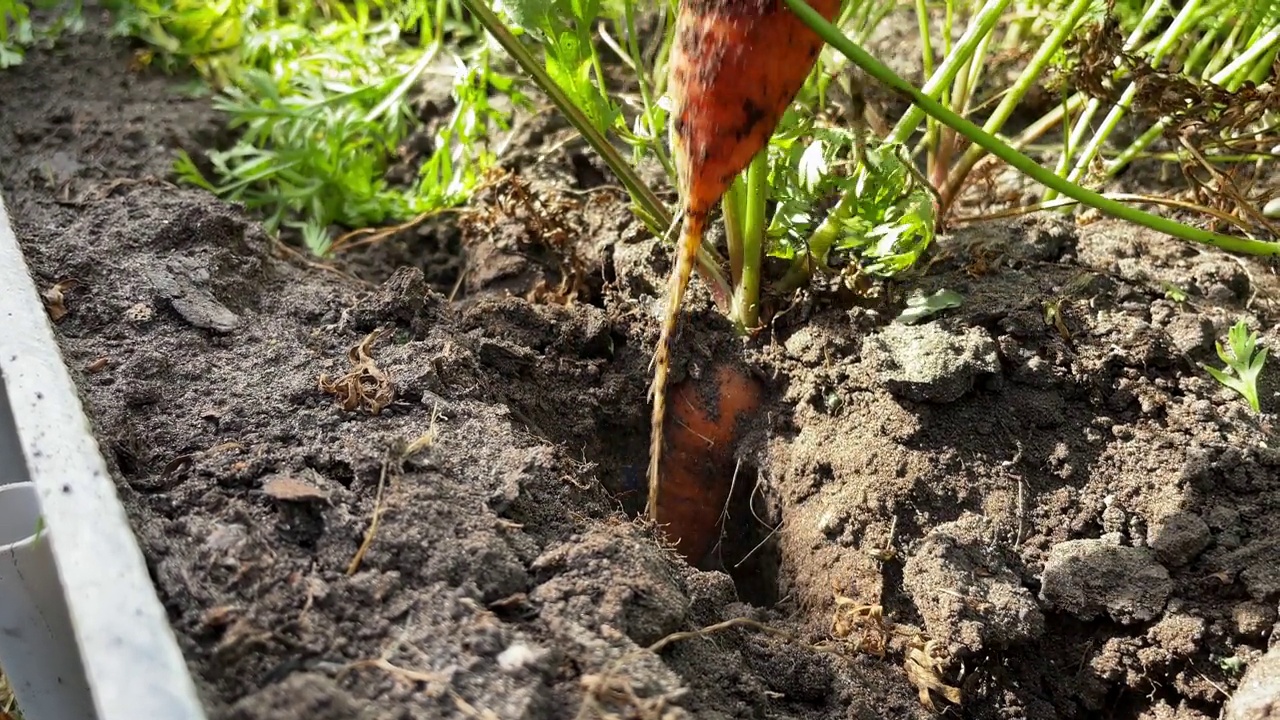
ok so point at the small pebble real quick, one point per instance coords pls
(519, 656)
(1272, 208)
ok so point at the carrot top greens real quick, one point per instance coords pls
(828, 195)
(18, 30)
(320, 96)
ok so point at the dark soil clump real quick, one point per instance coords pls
(1037, 498)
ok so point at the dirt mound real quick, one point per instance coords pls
(372, 502)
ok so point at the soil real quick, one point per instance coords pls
(1037, 498)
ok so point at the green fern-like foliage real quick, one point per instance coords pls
(18, 31)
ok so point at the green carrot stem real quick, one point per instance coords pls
(1034, 70)
(874, 68)
(1199, 50)
(645, 81)
(1262, 68)
(983, 22)
(1223, 55)
(1048, 121)
(746, 299)
(961, 97)
(732, 209)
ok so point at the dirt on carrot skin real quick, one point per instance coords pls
(1040, 484)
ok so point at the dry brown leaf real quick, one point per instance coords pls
(56, 298)
(864, 623)
(922, 671)
(365, 385)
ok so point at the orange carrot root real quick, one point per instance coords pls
(698, 469)
(735, 67)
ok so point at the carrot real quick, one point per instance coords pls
(698, 469)
(735, 67)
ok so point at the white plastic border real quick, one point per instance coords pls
(134, 667)
(38, 650)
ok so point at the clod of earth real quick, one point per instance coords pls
(735, 67)
(1178, 538)
(1254, 620)
(926, 363)
(1261, 573)
(966, 591)
(180, 284)
(1258, 697)
(1091, 577)
(287, 488)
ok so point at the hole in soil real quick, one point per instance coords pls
(337, 470)
(748, 545)
(586, 173)
(895, 601)
(748, 550)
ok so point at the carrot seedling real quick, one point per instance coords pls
(1243, 364)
